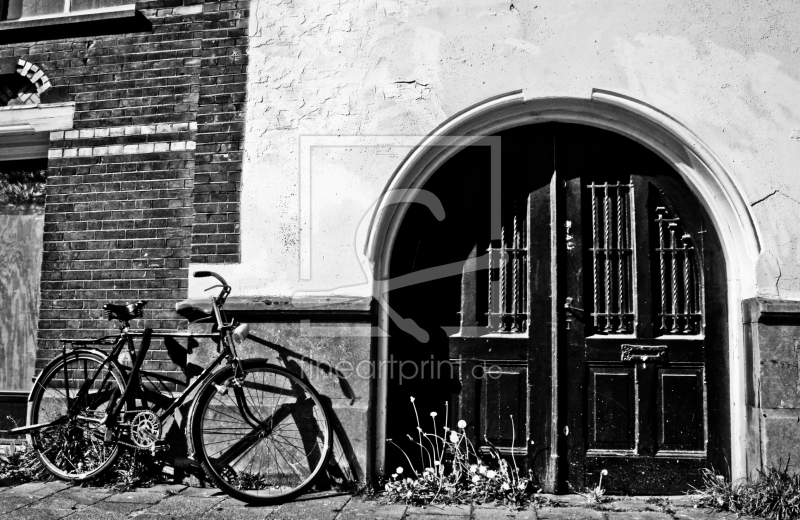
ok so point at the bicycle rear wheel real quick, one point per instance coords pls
(263, 442)
(76, 448)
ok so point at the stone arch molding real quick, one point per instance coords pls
(700, 168)
(25, 92)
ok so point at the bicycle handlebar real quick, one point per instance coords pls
(226, 289)
(206, 274)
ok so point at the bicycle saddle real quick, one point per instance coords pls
(124, 312)
(194, 310)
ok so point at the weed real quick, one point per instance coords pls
(454, 472)
(22, 464)
(596, 495)
(133, 469)
(774, 493)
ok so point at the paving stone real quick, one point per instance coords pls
(58, 502)
(241, 513)
(117, 507)
(202, 492)
(680, 500)
(628, 504)
(434, 517)
(95, 513)
(83, 495)
(359, 507)
(184, 506)
(638, 515)
(39, 489)
(502, 513)
(27, 513)
(571, 500)
(569, 513)
(704, 514)
(319, 509)
(10, 502)
(454, 510)
(165, 488)
(136, 497)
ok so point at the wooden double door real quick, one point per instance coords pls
(590, 330)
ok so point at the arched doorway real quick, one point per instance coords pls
(587, 327)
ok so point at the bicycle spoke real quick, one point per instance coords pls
(266, 440)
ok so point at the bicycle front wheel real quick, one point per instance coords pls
(74, 394)
(263, 438)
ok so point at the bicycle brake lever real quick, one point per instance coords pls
(213, 287)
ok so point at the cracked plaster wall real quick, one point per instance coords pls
(729, 70)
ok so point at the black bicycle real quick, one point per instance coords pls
(259, 431)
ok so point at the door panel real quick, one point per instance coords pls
(612, 408)
(505, 404)
(681, 405)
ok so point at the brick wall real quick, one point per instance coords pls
(220, 135)
(148, 180)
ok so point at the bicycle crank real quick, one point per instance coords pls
(145, 430)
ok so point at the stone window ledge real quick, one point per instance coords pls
(65, 24)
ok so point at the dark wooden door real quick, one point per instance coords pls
(592, 298)
(641, 269)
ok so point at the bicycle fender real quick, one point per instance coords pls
(96, 352)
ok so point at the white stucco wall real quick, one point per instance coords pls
(326, 77)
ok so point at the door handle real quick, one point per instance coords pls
(575, 311)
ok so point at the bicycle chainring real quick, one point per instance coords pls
(145, 430)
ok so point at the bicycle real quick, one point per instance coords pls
(258, 430)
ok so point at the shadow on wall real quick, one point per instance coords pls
(161, 389)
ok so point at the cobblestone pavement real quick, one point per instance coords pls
(55, 500)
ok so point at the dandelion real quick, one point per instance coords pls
(435, 462)
(482, 469)
(605, 472)
(505, 486)
(412, 399)
(462, 424)
(434, 414)
(394, 475)
(453, 437)
(491, 473)
(399, 470)
(476, 479)
(473, 468)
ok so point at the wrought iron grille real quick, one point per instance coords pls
(612, 258)
(508, 295)
(680, 292)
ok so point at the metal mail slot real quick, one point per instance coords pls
(644, 353)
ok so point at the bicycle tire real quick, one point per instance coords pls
(78, 450)
(279, 460)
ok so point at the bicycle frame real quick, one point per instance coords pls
(126, 337)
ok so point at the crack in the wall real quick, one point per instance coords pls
(764, 198)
